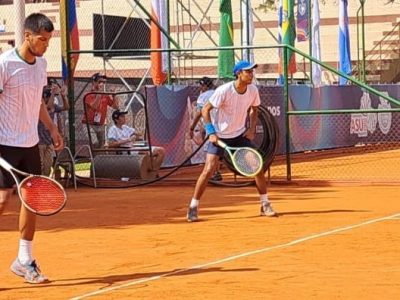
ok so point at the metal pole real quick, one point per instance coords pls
(358, 45)
(19, 8)
(169, 73)
(248, 30)
(242, 26)
(363, 40)
(286, 101)
(310, 37)
(70, 83)
(245, 30)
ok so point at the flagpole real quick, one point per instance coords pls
(248, 30)
(70, 82)
(169, 46)
(19, 7)
(242, 32)
(310, 36)
(364, 79)
(245, 32)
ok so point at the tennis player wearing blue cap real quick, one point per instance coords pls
(233, 102)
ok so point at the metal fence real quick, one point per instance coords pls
(326, 132)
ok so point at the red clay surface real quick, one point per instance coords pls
(330, 242)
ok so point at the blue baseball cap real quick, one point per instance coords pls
(243, 65)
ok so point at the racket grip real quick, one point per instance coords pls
(4, 164)
(222, 144)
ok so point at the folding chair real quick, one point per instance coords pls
(65, 160)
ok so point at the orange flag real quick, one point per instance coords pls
(159, 61)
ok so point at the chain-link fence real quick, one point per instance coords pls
(341, 133)
(349, 144)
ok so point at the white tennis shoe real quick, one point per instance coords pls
(31, 272)
(267, 210)
(192, 214)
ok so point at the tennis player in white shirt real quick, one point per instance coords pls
(22, 78)
(233, 103)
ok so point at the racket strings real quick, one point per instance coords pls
(247, 161)
(42, 195)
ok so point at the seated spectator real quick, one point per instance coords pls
(121, 135)
(46, 148)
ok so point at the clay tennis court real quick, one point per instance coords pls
(330, 241)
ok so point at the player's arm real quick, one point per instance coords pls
(196, 119)
(206, 112)
(210, 130)
(48, 122)
(251, 131)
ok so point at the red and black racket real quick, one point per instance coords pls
(39, 194)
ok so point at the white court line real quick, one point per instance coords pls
(235, 257)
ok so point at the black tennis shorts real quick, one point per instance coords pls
(23, 159)
(239, 141)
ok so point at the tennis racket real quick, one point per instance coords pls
(247, 161)
(39, 194)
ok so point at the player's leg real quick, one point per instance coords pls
(5, 195)
(261, 183)
(213, 154)
(29, 163)
(266, 207)
(25, 265)
(209, 169)
(6, 180)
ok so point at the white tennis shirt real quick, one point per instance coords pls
(231, 109)
(203, 98)
(21, 87)
(116, 134)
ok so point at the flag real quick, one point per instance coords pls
(302, 21)
(280, 52)
(247, 30)
(344, 42)
(316, 45)
(72, 36)
(288, 34)
(159, 60)
(226, 58)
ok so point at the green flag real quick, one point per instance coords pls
(226, 58)
(289, 31)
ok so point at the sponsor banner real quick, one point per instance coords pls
(316, 132)
(170, 110)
